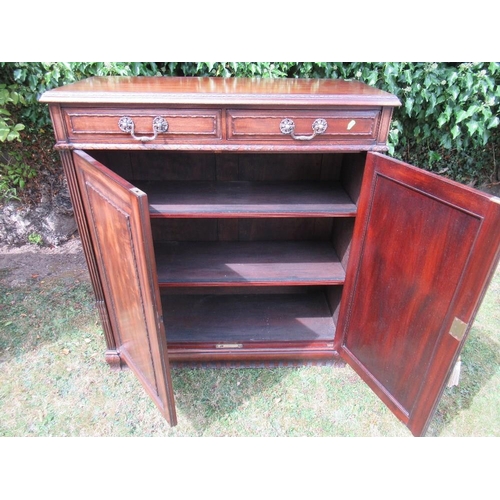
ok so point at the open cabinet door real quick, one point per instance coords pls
(424, 250)
(118, 218)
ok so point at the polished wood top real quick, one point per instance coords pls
(220, 91)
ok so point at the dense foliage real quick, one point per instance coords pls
(448, 120)
(8, 129)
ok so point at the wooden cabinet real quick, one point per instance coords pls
(256, 221)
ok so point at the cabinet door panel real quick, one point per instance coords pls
(424, 250)
(118, 217)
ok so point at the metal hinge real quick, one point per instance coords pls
(458, 329)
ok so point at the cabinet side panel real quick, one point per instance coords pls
(58, 123)
(69, 170)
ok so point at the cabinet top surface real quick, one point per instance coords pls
(220, 91)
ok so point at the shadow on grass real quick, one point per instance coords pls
(206, 395)
(480, 361)
(39, 311)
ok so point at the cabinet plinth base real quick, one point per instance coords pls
(254, 356)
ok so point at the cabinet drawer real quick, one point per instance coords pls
(275, 125)
(136, 126)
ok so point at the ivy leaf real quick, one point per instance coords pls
(409, 105)
(472, 126)
(469, 80)
(494, 122)
(13, 134)
(454, 93)
(452, 78)
(486, 136)
(433, 100)
(461, 115)
(442, 120)
(4, 132)
(446, 141)
(472, 109)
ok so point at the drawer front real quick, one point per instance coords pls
(146, 126)
(275, 125)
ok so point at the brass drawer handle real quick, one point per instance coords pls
(126, 124)
(287, 126)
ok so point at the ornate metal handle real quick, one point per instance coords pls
(126, 124)
(287, 126)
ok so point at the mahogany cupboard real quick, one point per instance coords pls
(256, 221)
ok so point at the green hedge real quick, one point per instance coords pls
(446, 106)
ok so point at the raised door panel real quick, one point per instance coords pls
(118, 217)
(424, 249)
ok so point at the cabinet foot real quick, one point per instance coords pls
(114, 361)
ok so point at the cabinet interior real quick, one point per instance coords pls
(249, 247)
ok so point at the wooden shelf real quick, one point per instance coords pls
(248, 263)
(292, 317)
(247, 199)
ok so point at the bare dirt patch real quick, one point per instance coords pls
(19, 265)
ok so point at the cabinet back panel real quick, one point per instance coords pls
(181, 166)
(118, 161)
(248, 317)
(317, 229)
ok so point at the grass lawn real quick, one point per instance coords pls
(54, 382)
